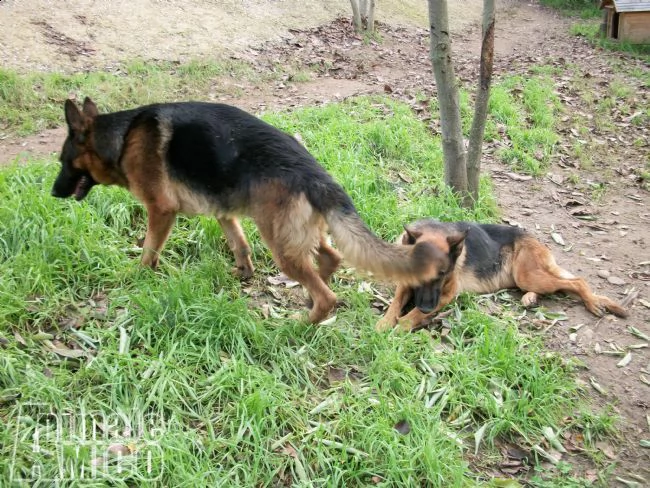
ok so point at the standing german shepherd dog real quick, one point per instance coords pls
(214, 159)
(484, 259)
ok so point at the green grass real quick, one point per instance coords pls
(231, 398)
(32, 102)
(526, 109)
(591, 30)
(583, 8)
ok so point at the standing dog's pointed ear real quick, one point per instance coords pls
(73, 117)
(411, 234)
(89, 108)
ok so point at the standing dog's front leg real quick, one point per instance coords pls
(402, 296)
(159, 224)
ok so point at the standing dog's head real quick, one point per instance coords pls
(449, 240)
(77, 156)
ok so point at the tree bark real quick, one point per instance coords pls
(356, 15)
(481, 104)
(370, 22)
(453, 147)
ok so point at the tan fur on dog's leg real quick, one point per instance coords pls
(412, 319)
(292, 230)
(529, 299)
(239, 246)
(535, 270)
(328, 259)
(389, 320)
(159, 226)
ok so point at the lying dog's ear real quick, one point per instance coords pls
(411, 235)
(89, 108)
(73, 117)
(456, 242)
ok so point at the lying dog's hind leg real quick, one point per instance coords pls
(535, 270)
(239, 247)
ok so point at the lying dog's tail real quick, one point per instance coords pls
(410, 265)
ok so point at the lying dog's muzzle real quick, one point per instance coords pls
(427, 297)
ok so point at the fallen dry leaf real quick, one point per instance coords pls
(282, 279)
(597, 386)
(403, 427)
(625, 361)
(606, 449)
(557, 237)
(614, 280)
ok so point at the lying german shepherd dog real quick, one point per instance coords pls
(484, 259)
(214, 159)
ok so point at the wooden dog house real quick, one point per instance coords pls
(627, 20)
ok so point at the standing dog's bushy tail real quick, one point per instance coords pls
(410, 265)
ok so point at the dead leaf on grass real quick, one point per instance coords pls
(337, 375)
(289, 450)
(551, 436)
(119, 450)
(403, 427)
(478, 437)
(406, 178)
(62, 350)
(282, 279)
(19, 338)
(606, 449)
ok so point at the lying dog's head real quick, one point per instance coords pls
(81, 166)
(449, 240)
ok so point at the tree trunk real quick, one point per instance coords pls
(356, 15)
(370, 22)
(481, 103)
(453, 147)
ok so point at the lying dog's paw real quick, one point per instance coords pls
(384, 324)
(406, 325)
(529, 299)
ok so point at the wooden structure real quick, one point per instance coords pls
(627, 20)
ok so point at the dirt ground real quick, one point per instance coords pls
(596, 219)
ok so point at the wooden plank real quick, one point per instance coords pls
(634, 27)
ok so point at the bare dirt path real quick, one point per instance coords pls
(601, 212)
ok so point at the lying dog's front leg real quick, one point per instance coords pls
(412, 319)
(415, 317)
(159, 225)
(402, 296)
